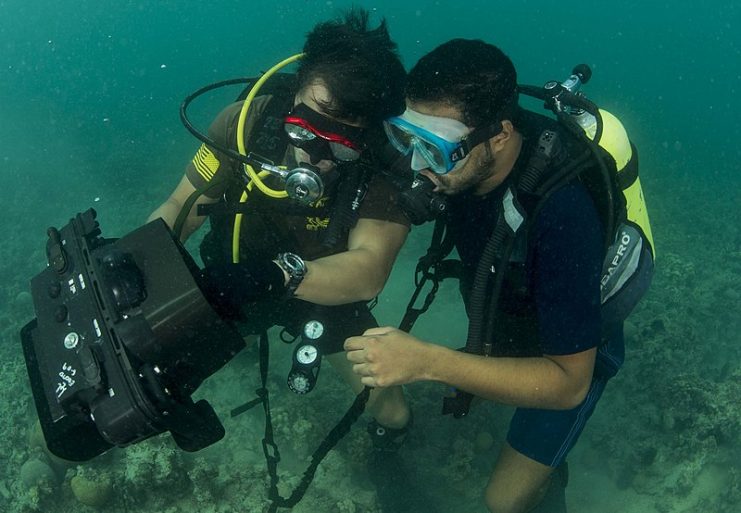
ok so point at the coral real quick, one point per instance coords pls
(206, 482)
(459, 466)
(153, 464)
(302, 428)
(35, 488)
(703, 413)
(357, 445)
(152, 471)
(91, 492)
(345, 506)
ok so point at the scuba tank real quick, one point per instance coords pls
(614, 139)
(630, 254)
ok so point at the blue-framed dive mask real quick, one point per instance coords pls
(437, 143)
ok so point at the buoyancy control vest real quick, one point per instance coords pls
(629, 255)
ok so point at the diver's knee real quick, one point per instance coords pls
(499, 501)
(389, 407)
(496, 505)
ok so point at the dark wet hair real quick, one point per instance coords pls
(473, 76)
(359, 66)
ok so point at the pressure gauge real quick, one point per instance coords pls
(306, 354)
(305, 368)
(313, 330)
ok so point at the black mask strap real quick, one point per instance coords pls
(478, 136)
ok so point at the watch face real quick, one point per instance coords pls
(294, 263)
(313, 330)
(306, 354)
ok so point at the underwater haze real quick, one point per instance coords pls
(89, 99)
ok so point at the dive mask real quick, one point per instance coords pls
(436, 142)
(323, 137)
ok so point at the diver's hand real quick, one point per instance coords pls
(227, 287)
(385, 357)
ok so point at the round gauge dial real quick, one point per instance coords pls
(299, 383)
(313, 330)
(306, 354)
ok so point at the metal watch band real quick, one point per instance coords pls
(295, 267)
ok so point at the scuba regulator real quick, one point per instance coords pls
(302, 183)
(420, 203)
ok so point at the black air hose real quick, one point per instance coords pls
(593, 145)
(548, 146)
(346, 205)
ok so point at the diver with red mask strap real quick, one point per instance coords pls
(270, 261)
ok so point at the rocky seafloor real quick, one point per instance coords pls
(664, 439)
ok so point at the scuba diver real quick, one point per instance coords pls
(312, 261)
(533, 208)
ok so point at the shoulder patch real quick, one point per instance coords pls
(206, 162)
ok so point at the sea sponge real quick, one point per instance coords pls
(91, 492)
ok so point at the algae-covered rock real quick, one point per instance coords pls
(35, 472)
(91, 492)
(483, 442)
(36, 436)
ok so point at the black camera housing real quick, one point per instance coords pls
(122, 338)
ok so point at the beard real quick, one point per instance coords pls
(472, 172)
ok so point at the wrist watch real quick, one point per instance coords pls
(295, 267)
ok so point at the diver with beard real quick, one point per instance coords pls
(531, 211)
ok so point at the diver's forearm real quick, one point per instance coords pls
(536, 382)
(346, 277)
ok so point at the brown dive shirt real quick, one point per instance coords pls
(268, 232)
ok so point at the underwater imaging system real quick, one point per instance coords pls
(122, 338)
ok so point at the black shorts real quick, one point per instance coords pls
(337, 322)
